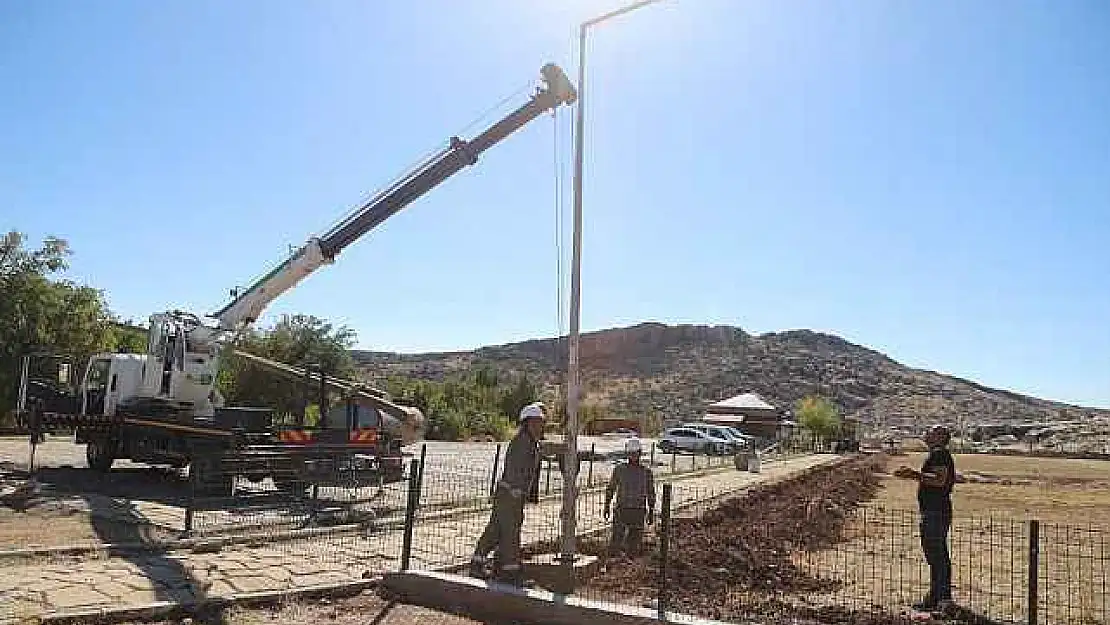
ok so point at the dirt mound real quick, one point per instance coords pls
(722, 562)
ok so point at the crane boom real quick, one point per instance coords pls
(319, 251)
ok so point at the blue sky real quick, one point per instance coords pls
(931, 179)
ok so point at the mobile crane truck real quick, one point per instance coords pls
(163, 407)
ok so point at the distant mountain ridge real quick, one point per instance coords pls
(652, 370)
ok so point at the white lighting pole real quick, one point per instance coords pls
(568, 514)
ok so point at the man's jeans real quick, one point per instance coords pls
(934, 543)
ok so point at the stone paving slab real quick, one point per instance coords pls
(68, 583)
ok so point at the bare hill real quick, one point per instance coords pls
(658, 371)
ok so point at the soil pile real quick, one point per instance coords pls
(728, 562)
(745, 542)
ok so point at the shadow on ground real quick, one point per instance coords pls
(171, 580)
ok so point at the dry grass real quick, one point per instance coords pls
(1052, 490)
(881, 562)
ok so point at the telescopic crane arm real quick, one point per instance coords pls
(319, 251)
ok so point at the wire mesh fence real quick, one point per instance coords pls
(869, 562)
(708, 553)
(231, 497)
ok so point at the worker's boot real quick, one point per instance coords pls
(927, 604)
(511, 575)
(477, 567)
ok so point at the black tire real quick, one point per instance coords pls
(666, 447)
(292, 486)
(208, 481)
(100, 453)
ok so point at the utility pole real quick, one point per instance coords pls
(568, 514)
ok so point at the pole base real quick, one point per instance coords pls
(553, 572)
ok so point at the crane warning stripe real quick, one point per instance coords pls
(364, 436)
(295, 436)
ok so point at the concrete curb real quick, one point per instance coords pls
(501, 603)
(170, 609)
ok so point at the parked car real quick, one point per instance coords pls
(746, 440)
(736, 440)
(694, 441)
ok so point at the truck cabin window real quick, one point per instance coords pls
(98, 375)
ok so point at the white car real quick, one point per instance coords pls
(735, 439)
(744, 440)
(693, 440)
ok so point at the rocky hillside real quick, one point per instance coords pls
(656, 371)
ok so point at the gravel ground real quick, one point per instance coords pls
(365, 608)
(455, 473)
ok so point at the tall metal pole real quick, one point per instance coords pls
(568, 514)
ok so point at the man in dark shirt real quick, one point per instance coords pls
(934, 500)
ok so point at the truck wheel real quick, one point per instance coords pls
(207, 481)
(291, 486)
(100, 454)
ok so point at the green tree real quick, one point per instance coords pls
(298, 340)
(819, 416)
(588, 411)
(516, 397)
(40, 312)
(486, 377)
(480, 403)
(127, 338)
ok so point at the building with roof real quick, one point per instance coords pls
(751, 414)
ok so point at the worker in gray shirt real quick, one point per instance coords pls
(503, 530)
(634, 485)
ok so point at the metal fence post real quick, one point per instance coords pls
(410, 513)
(1034, 565)
(493, 476)
(191, 505)
(420, 475)
(590, 470)
(547, 479)
(653, 454)
(664, 548)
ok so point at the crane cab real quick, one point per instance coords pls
(109, 380)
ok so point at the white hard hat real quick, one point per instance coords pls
(531, 411)
(633, 446)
